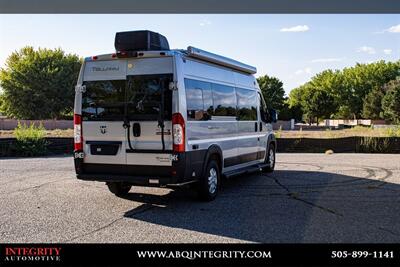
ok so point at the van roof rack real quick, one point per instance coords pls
(220, 60)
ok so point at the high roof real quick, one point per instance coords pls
(189, 52)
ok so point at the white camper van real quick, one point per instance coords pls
(150, 116)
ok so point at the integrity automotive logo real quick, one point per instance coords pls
(32, 254)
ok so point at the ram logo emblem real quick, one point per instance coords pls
(103, 129)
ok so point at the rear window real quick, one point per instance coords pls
(144, 97)
(107, 100)
(103, 100)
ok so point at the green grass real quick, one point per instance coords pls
(30, 140)
(393, 132)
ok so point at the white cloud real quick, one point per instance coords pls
(303, 71)
(367, 49)
(387, 51)
(205, 22)
(298, 28)
(394, 29)
(323, 60)
(298, 72)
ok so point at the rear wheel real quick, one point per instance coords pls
(119, 189)
(209, 184)
(270, 159)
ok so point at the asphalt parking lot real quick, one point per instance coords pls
(309, 198)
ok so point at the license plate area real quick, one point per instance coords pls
(104, 148)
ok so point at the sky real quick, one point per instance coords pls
(292, 48)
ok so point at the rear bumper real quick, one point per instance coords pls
(135, 180)
(144, 175)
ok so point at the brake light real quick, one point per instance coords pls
(178, 132)
(124, 54)
(78, 139)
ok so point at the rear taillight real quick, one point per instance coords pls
(126, 54)
(178, 132)
(78, 139)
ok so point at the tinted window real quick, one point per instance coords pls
(224, 99)
(263, 109)
(198, 99)
(208, 100)
(247, 104)
(103, 100)
(144, 97)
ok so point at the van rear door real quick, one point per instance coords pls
(125, 104)
(102, 112)
(149, 106)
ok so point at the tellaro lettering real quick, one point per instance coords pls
(106, 68)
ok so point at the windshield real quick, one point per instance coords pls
(106, 100)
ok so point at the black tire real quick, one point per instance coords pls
(119, 189)
(268, 158)
(209, 184)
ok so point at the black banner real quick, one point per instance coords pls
(203, 6)
(200, 254)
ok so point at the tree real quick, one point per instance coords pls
(391, 102)
(38, 84)
(362, 78)
(272, 90)
(355, 90)
(295, 103)
(1, 101)
(317, 103)
(372, 107)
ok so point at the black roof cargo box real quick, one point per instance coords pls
(140, 41)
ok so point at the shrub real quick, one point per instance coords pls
(30, 140)
(374, 145)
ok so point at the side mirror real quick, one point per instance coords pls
(273, 115)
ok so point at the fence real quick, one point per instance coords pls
(340, 145)
(282, 125)
(287, 145)
(337, 123)
(55, 146)
(11, 124)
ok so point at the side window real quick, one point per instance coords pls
(198, 99)
(263, 109)
(247, 104)
(208, 100)
(224, 98)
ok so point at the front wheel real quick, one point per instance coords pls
(209, 184)
(270, 159)
(119, 189)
